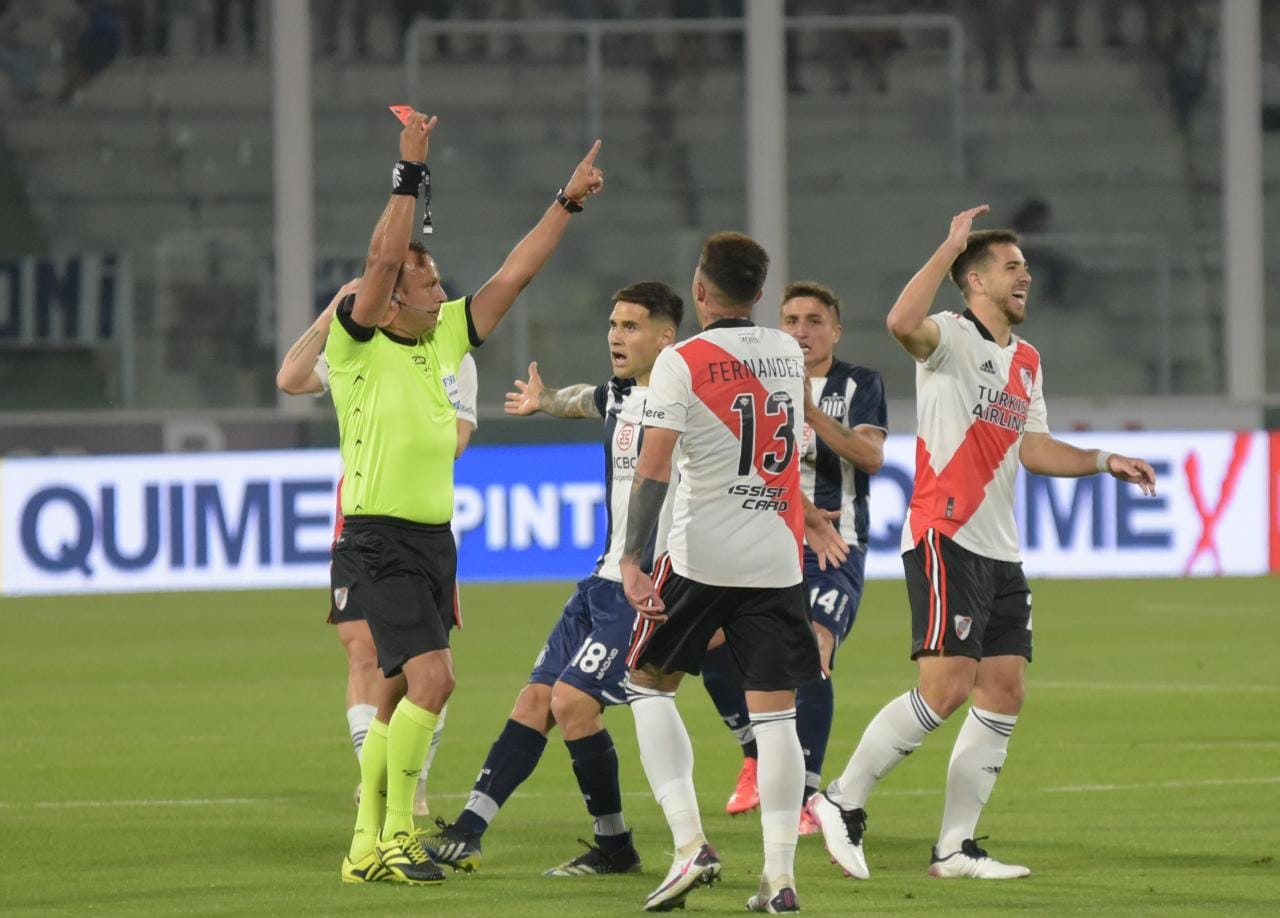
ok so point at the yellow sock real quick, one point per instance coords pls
(373, 791)
(408, 736)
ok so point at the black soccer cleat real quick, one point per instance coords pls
(595, 862)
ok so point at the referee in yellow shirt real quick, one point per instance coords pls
(389, 346)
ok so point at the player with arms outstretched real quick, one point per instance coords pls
(980, 413)
(581, 667)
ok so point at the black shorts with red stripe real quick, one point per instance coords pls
(964, 604)
(768, 632)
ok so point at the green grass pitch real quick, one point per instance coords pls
(187, 753)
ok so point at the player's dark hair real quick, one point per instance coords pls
(660, 300)
(820, 292)
(977, 251)
(737, 266)
(416, 257)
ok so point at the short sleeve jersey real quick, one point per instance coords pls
(396, 421)
(734, 393)
(974, 401)
(621, 403)
(463, 389)
(852, 396)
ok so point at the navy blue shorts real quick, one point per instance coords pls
(834, 594)
(588, 646)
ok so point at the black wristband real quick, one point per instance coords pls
(408, 177)
(567, 202)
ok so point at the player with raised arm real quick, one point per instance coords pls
(731, 396)
(980, 412)
(845, 427)
(390, 346)
(305, 372)
(580, 670)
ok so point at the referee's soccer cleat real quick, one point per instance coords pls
(594, 862)
(842, 832)
(973, 862)
(746, 796)
(366, 870)
(420, 805)
(407, 862)
(777, 897)
(700, 867)
(452, 848)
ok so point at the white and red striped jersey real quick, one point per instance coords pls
(735, 393)
(974, 400)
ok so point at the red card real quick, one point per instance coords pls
(403, 112)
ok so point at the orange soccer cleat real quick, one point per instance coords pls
(746, 796)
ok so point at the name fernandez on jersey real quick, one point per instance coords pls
(756, 368)
(734, 393)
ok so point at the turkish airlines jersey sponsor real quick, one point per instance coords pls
(621, 404)
(974, 400)
(736, 395)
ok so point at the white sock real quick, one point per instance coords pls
(893, 734)
(667, 757)
(781, 782)
(976, 760)
(435, 744)
(358, 719)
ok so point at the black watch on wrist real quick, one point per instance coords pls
(567, 202)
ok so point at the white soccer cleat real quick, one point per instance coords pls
(701, 867)
(973, 862)
(420, 805)
(776, 897)
(842, 831)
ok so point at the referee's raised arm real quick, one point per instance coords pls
(493, 300)
(395, 227)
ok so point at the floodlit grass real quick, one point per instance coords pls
(187, 753)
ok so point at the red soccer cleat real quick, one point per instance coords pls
(746, 796)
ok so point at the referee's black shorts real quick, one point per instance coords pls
(400, 575)
(768, 631)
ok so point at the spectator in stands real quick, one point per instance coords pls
(1185, 56)
(329, 14)
(1053, 270)
(1112, 14)
(1001, 25)
(95, 46)
(146, 26)
(409, 10)
(16, 59)
(248, 23)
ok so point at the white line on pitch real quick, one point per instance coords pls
(1175, 687)
(97, 804)
(1158, 785)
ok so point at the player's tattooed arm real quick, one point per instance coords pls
(647, 497)
(576, 401)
